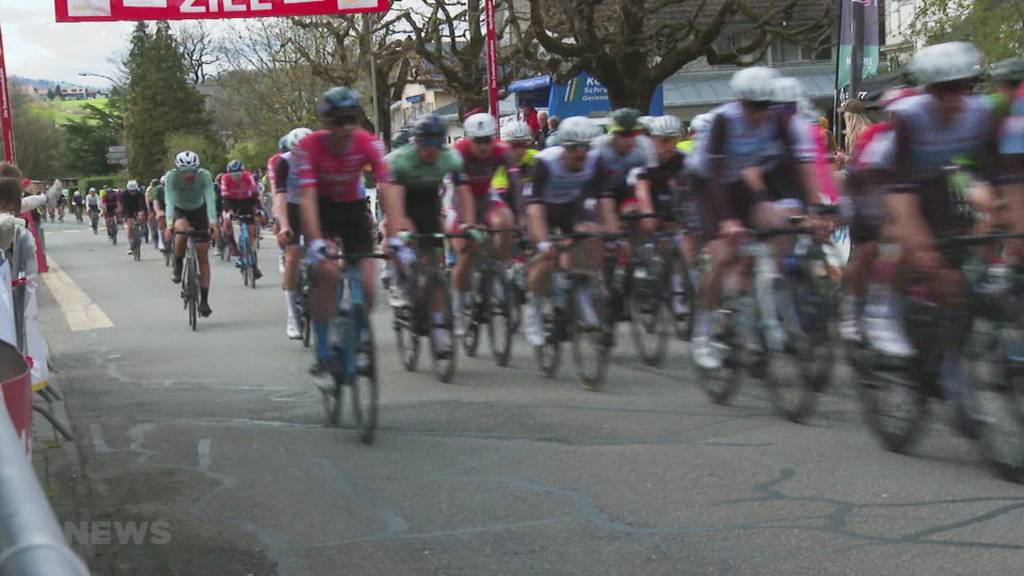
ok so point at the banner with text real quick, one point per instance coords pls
(846, 40)
(113, 10)
(6, 124)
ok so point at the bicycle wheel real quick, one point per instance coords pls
(364, 390)
(499, 318)
(591, 338)
(997, 399)
(444, 358)
(684, 300)
(251, 264)
(307, 322)
(742, 348)
(473, 315)
(894, 400)
(800, 369)
(407, 339)
(648, 311)
(193, 294)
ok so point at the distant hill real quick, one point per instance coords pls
(44, 84)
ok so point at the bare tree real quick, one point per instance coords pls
(200, 49)
(631, 46)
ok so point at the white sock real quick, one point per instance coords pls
(290, 305)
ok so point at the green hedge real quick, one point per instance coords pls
(99, 182)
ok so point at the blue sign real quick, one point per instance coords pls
(581, 96)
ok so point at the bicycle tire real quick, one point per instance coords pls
(549, 355)
(307, 322)
(193, 296)
(475, 314)
(408, 342)
(252, 264)
(499, 318)
(648, 303)
(444, 364)
(364, 391)
(684, 321)
(592, 337)
(1002, 446)
(740, 357)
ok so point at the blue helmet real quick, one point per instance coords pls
(339, 100)
(431, 126)
(235, 166)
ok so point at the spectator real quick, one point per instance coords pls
(529, 115)
(542, 135)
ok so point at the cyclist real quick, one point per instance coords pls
(240, 194)
(569, 194)
(284, 183)
(944, 125)
(133, 207)
(78, 203)
(482, 155)
(519, 138)
(191, 202)
(330, 165)
(412, 202)
(623, 149)
(746, 137)
(111, 199)
(62, 201)
(92, 203)
(1011, 148)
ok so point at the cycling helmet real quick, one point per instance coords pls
(92, 190)
(577, 130)
(700, 123)
(163, 179)
(339, 100)
(481, 125)
(1009, 71)
(431, 126)
(646, 122)
(154, 182)
(133, 186)
(187, 160)
(754, 84)
(401, 138)
(235, 166)
(292, 139)
(625, 120)
(946, 62)
(281, 144)
(517, 131)
(663, 126)
(787, 90)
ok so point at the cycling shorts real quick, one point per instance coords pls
(565, 218)
(133, 205)
(348, 221)
(862, 207)
(484, 206)
(242, 207)
(740, 203)
(197, 219)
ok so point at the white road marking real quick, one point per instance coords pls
(81, 313)
(98, 441)
(205, 455)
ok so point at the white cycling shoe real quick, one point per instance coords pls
(887, 336)
(705, 354)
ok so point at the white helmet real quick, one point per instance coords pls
(481, 125)
(133, 186)
(700, 123)
(92, 190)
(292, 139)
(646, 123)
(754, 84)
(577, 130)
(665, 126)
(517, 131)
(163, 179)
(187, 160)
(946, 62)
(788, 90)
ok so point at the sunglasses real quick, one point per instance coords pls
(482, 140)
(577, 147)
(627, 133)
(436, 142)
(343, 119)
(759, 106)
(519, 145)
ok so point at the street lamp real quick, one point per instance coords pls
(114, 83)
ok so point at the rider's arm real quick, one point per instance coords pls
(210, 193)
(308, 191)
(279, 185)
(798, 142)
(170, 200)
(716, 156)
(641, 181)
(600, 188)
(903, 201)
(536, 211)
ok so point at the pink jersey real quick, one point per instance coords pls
(272, 166)
(480, 171)
(238, 186)
(337, 177)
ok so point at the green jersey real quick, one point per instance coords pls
(422, 181)
(190, 196)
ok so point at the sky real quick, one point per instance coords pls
(35, 46)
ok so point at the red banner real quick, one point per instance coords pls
(492, 59)
(112, 10)
(6, 127)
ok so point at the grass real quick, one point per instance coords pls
(60, 111)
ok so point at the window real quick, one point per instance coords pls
(783, 52)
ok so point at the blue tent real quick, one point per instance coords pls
(581, 96)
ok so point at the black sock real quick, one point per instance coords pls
(204, 293)
(178, 261)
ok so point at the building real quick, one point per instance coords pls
(422, 99)
(77, 93)
(898, 44)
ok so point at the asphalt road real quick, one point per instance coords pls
(219, 434)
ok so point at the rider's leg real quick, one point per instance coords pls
(462, 280)
(203, 255)
(500, 216)
(324, 304)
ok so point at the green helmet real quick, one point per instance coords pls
(625, 120)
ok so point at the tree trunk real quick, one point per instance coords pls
(635, 93)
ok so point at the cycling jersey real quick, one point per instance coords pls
(1011, 140)
(924, 148)
(480, 171)
(666, 179)
(736, 144)
(554, 184)
(110, 200)
(500, 180)
(423, 182)
(617, 168)
(133, 202)
(184, 196)
(238, 186)
(286, 179)
(77, 200)
(92, 200)
(337, 177)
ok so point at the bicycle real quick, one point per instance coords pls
(94, 221)
(580, 313)
(491, 301)
(136, 240)
(78, 213)
(895, 394)
(425, 280)
(354, 365)
(652, 301)
(190, 276)
(112, 230)
(302, 302)
(246, 251)
(779, 332)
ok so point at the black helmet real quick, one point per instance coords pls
(401, 138)
(339, 101)
(431, 126)
(625, 120)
